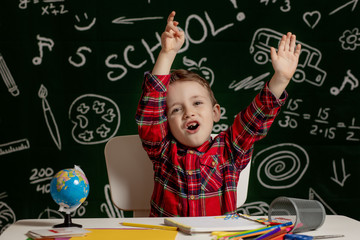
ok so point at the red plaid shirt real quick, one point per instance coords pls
(199, 181)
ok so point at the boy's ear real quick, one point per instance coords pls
(216, 112)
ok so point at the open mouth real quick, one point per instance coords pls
(192, 126)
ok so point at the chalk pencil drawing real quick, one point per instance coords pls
(81, 56)
(350, 79)
(312, 18)
(309, 59)
(109, 208)
(350, 39)
(336, 178)
(85, 24)
(204, 71)
(282, 165)
(8, 78)
(7, 215)
(49, 117)
(95, 119)
(42, 42)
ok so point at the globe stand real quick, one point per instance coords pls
(67, 222)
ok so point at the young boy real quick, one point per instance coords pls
(194, 174)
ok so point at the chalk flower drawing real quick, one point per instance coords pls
(350, 39)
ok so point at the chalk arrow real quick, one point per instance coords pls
(345, 176)
(123, 20)
(346, 4)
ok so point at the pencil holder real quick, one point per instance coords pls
(306, 215)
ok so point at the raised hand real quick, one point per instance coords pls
(172, 38)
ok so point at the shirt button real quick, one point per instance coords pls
(190, 172)
(191, 152)
(192, 197)
(213, 163)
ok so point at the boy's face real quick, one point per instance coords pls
(190, 112)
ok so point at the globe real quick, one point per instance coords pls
(69, 188)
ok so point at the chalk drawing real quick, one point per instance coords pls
(124, 20)
(7, 215)
(350, 40)
(309, 58)
(87, 23)
(258, 208)
(249, 82)
(354, 2)
(50, 214)
(284, 8)
(42, 42)
(42, 178)
(81, 56)
(49, 117)
(14, 146)
(109, 208)
(345, 176)
(205, 72)
(315, 196)
(312, 18)
(96, 119)
(281, 166)
(349, 79)
(8, 78)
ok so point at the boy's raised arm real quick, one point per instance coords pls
(172, 40)
(284, 62)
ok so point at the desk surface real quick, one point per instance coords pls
(333, 225)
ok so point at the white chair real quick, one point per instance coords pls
(131, 180)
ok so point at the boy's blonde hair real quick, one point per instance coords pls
(185, 75)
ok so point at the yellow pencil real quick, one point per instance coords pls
(149, 226)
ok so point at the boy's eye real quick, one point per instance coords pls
(198, 103)
(175, 110)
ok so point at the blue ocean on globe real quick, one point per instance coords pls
(69, 188)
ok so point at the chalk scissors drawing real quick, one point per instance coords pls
(309, 58)
(8, 78)
(281, 166)
(49, 117)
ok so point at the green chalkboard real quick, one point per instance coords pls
(71, 75)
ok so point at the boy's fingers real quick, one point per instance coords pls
(287, 43)
(292, 43)
(298, 50)
(171, 16)
(282, 43)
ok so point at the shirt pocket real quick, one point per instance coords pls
(211, 180)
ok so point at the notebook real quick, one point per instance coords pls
(190, 225)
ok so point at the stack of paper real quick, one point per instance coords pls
(57, 233)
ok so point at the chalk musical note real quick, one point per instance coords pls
(7, 78)
(350, 79)
(42, 42)
(49, 117)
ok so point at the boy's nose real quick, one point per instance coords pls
(188, 113)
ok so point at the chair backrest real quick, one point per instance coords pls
(130, 174)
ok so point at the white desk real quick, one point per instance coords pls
(333, 225)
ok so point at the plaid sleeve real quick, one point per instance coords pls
(151, 112)
(253, 123)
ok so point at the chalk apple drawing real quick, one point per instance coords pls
(206, 72)
(96, 119)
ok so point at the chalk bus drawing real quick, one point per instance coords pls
(309, 59)
(81, 56)
(281, 166)
(111, 210)
(96, 119)
(258, 208)
(344, 175)
(42, 42)
(88, 24)
(350, 79)
(205, 72)
(8, 78)
(7, 215)
(49, 117)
